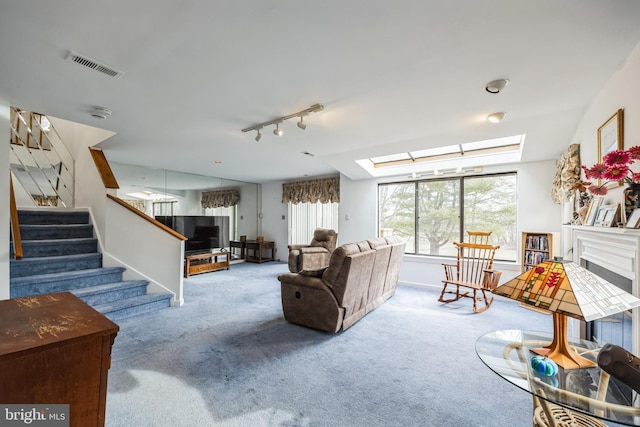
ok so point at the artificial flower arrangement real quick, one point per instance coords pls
(614, 168)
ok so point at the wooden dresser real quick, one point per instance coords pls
(55, 349)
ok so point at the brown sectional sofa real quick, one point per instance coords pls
(360, 277)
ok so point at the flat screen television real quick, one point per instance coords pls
(202, 232)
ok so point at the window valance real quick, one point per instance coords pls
(326, 190)
(220, 198)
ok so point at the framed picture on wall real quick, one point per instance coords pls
(610, 136)
(593, 210)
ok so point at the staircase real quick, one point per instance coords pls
(60, 254)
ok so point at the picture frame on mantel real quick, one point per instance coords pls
(593, 210)
(634, 219)
(608, 215)
(610, 135)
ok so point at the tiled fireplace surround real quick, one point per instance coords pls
(613, 249)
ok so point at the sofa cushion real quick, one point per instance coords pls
(339, 256)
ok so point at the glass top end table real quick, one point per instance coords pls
(589, 391)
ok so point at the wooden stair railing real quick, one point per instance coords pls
(15, 225)
(109, 181)
(146, 217)
(102, 164)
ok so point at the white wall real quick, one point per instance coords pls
(274, 224)
(4, 200)
(621, 91)
(358, 210)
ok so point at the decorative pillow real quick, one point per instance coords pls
(313, 273)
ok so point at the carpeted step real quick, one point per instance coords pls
(134, 306)
(66, 281)
(56, 231)
(58, 247)
(53, 264)
(110, 292)
(51, 216)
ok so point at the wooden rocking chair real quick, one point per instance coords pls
(473, 271)
(481, 237)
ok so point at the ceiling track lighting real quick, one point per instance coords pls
(496, 86)
(495, 117)
(277, 131)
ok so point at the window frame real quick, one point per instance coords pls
(461, 216)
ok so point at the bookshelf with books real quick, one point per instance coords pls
(536, 248)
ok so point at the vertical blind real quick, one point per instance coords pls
(304, 218)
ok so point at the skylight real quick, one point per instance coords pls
(455, 157)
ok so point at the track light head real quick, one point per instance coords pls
(277, 130)
(495, 117)
(301, 124)
(258, 136)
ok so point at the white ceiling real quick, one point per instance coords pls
(392, 75)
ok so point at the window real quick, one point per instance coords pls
(431, 214)
(163, 208)
(304, 218)
(231, 212)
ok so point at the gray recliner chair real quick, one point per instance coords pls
(315, 255)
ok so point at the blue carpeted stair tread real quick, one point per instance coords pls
(109, 292)
(54, 264)
(56, 231)
(59, 247)
(134, 306)
(51, 216)
(61, 282)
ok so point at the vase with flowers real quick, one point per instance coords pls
(615, 169)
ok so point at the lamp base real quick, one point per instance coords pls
(559, 350)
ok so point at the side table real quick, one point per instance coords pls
(238, 244)
(589, 392)
(258, 248)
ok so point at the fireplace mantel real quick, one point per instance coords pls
(615, 249)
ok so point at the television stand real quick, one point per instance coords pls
(206, 262)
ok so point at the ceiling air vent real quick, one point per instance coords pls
(94, 65)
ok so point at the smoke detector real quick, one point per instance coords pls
(496, 86)
(100, 113)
